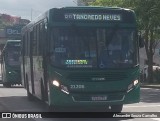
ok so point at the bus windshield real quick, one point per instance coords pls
(13, 56)
(93, 47)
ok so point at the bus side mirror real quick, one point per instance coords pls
(141, 41)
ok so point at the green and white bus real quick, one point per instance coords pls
(10, 63)
(82, 58)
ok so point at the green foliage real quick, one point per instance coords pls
(113, 3)
(107, 3)
(147, 11)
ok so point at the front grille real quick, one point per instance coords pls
(16, 72)
(108, 76)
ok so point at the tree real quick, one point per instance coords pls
(107, 3)
(148, 17)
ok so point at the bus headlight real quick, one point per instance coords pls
(61, 87)
(9, 72)
(55, 83)
(64, 89)
(135, 82)
(131, 86)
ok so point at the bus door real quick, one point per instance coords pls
(37, 59)
(31, 41)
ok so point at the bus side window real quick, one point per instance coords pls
(41, 39)
(34, 42)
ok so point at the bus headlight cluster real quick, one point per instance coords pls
(56, 83)
(135, 82)
(12, 72)
(131, 86)
(62, 87)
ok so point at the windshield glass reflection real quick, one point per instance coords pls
(13, 57)
(93, 47)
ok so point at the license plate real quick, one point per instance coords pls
(98, 98)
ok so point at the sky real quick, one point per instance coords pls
(23, 8)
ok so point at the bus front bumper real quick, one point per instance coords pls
(62, 100)
(13, 77)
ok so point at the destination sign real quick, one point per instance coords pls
(93, 17)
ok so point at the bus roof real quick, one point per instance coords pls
(93, 7)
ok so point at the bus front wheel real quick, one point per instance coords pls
(29, 95)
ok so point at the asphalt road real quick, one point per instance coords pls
(14, 100)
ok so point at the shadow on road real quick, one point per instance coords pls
(21, 104)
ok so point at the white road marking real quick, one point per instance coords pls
(143, 106)
(155, 119)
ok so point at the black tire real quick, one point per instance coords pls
(42, 91)
(50, 108)
(29, 95)
(116, 108)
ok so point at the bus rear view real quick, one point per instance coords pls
(91, 59)
(10, 65)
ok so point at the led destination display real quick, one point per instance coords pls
(93, 17)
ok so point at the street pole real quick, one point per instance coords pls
(31, 14)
